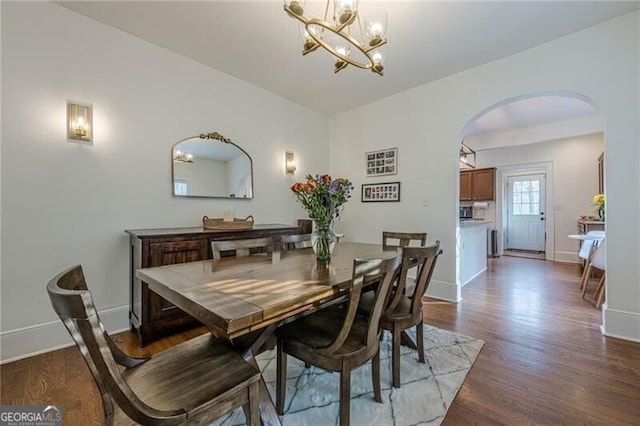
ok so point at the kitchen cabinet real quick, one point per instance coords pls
(478, 184)
(150, 315)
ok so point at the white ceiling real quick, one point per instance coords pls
(532, 112)
(257, 42)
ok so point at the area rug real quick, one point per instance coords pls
(426, 393)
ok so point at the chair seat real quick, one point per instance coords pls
(201, 371)
(319, 330)
(401, 312)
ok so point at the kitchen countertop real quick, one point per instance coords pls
(467, 222)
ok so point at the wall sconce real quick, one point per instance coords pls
(182, 157)
(467, 157)
(289, 163)
(79, 121)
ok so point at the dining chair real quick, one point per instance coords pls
(246, 247)
(296, 242)
(404, 239)
(587, 249)
(336, 339)
(598, 261)
(194, 382)
(405, 309)
(394, 240)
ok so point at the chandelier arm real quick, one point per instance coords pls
(352, 41)
(291, 14)
(370, 48)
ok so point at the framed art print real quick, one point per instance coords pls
(381, 163)
(380, 192)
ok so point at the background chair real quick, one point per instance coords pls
(296, 242)
(404, 239)
(336, 339)
(587, 249)
(405, 309)
(247, 247)
(196, 381)
(598, 261)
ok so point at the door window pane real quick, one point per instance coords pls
(526, 197)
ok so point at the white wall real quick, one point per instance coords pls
(426, 124)
(575, 181)
(237, 174)
(65, 203)
(203, 176)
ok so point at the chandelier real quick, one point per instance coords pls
(350, 38)
(181, 157)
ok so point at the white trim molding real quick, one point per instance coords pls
(444, 291)
(37, 339)
(620, 324)
(567, 256)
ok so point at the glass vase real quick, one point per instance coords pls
(323, 240)
(601, 213)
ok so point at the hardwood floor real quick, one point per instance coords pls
(544, 361)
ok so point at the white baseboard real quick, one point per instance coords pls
(444, 290)
(567, 257)
(36, 339)
(475, 275)
(620, 324)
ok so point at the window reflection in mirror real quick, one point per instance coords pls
(210, 165)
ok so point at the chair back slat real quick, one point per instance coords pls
(426, 258)
(404, 239)
(296, 242)
(243, 248)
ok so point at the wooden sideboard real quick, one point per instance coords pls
(151, 315)
(584, 226)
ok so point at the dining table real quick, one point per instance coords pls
(586, 237)
(244, 299)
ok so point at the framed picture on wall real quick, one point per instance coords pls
(380, 192)
(380, 163)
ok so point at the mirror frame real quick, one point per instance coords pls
(210, 136)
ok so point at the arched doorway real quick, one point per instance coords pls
(544, 142)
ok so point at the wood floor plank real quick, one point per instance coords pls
(544, 362)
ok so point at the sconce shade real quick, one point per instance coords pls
(289, 163)
(79, 121)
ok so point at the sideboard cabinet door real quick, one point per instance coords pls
(161, 254)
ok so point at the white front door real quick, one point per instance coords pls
(526, 221)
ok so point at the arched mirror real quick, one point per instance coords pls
(210, 165)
